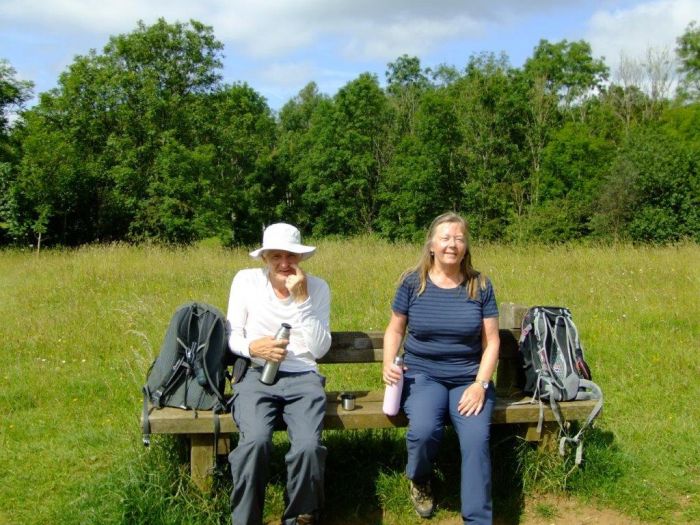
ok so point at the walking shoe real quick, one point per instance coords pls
(306, 519)
(422, 498)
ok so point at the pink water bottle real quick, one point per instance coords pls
(392, 393)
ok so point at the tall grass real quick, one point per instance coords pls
(78, 329)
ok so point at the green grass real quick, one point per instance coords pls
(79, 328)
(546, 511)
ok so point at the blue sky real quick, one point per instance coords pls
(277, 47)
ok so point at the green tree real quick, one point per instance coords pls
(688, 52)
(566, 69)
(116, 113)
(573, 166)
(560, 77)
(653, 190)
(146, 141)
(406, 83)
(424, 177)
(250, 192)
(296, 120)
(13, 94)
(490, 105)
(339, 176)
(52, 187)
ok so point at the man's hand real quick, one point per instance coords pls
(296, 284)
(269, 348)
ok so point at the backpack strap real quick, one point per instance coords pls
(546, 387)
(178, 369)
(595, 393)
(240, 366)
(525, 330)
(218, 407)
(146, 423)
(204, 347)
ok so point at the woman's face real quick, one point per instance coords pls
(449, 244)
(280, 265)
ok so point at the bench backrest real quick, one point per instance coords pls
(367, 347)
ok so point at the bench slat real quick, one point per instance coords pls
(367, 414)
(367, 347)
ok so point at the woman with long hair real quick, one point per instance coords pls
(447, 312)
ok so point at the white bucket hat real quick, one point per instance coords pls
(281, 236)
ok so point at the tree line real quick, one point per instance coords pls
(145, 142)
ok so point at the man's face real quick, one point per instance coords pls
(280, 265)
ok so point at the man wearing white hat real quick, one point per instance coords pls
(261, 300)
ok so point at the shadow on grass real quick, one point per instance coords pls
(507, 483)
(365, 484)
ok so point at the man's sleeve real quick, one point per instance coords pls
(237, 315)
(315, 319)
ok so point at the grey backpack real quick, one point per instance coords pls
(555, 370)
(190, 371)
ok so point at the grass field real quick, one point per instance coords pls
(79, 328)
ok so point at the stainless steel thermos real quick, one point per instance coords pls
(269, 372)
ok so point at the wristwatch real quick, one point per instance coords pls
(484, 384)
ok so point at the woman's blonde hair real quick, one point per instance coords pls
(472, 279)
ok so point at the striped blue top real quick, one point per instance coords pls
(443, 337)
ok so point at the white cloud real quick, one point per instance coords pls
(66, 16)
(632, 32)
(413, 37)
(365, 29)
(278, 46)
(376, 29)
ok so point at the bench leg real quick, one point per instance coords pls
(202, 460)
(549, 438)
(202, 457)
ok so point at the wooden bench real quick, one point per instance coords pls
(366, 347)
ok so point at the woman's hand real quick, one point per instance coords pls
(269, 348)
(296, 285)
(391, 374)
(393, 335)
(472, 400)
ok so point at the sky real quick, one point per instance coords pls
(279, 46)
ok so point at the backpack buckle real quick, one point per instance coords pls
(155, 398)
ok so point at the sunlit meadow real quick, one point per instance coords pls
(79, 329)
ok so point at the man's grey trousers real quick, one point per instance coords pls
(300, 399)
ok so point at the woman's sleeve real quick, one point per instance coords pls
(237, 315)
(315, 315)
(489, 307)
(401, 298)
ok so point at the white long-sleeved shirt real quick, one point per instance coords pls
(254, 311)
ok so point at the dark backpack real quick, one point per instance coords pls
(555, 369)
(190, 371)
